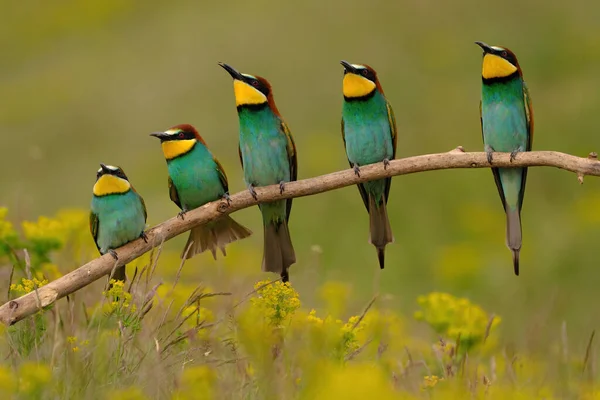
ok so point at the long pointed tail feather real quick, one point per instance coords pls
(214, 236)
(380, 229)
(513, 235)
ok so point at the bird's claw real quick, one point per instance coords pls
(113, 254)
(227, 198)
(356, 170)
(144, 236)
(181, 214)
(513, 155)
(281, 187)
(252, 192)
(489, 156)
(386, 163)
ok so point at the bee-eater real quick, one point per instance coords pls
(369, 133)
(118, 213)
(507, 126)
(268, 156)
(195, 178)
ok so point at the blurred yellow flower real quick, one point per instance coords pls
(131, 393)
(7, 231)
(430, 381)
(197, 382)
(8, 382)
(452, 317)
(45, 230)
(33, 377)
(351, 382)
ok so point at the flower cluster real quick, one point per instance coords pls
(454, 317)
(278, 301)
(26, 286)
(76, 344)
(429, 381)
(341, 338)
(120, 299)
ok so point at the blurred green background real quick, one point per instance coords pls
(86, 82)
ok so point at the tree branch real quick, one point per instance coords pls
(17, 309)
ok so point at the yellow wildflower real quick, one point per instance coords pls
(430, 381)
(27, 285)
(278, 301)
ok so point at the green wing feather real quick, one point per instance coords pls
(173, 193)
(94, 228)
(293, 162)
(529, 116)
(392, 122)
(222, 175)
(141, 201)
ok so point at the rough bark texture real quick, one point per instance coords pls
(18, 309)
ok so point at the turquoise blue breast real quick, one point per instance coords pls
(367, 130)
(503, 116)
(263, 145)
(196, 177)
(120, 219)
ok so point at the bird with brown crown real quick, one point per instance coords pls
(268, 156)
(507, 126)
(369, 133)
(195, 178)
(118, 213)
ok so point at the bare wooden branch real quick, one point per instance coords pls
(17, 309)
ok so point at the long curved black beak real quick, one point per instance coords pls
(349, 67)
(486, 47)
(105, 169)
(232, 71)
(160, 135)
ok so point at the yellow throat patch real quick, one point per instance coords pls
(496, 67)
(174, 148)
(246, 94)
(357, 86)
(110, 184)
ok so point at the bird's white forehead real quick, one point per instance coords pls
(172, 131)
(111, 167)
(249, 76)
(497, 48)
(358, 66)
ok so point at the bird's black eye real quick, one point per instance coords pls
(255, 83)
(365, 72)
(181, 135)
(504, 53)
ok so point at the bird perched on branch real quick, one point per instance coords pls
(195, 178)
(369, 133)
(268, 156)
(118, 213)
(507, 126)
